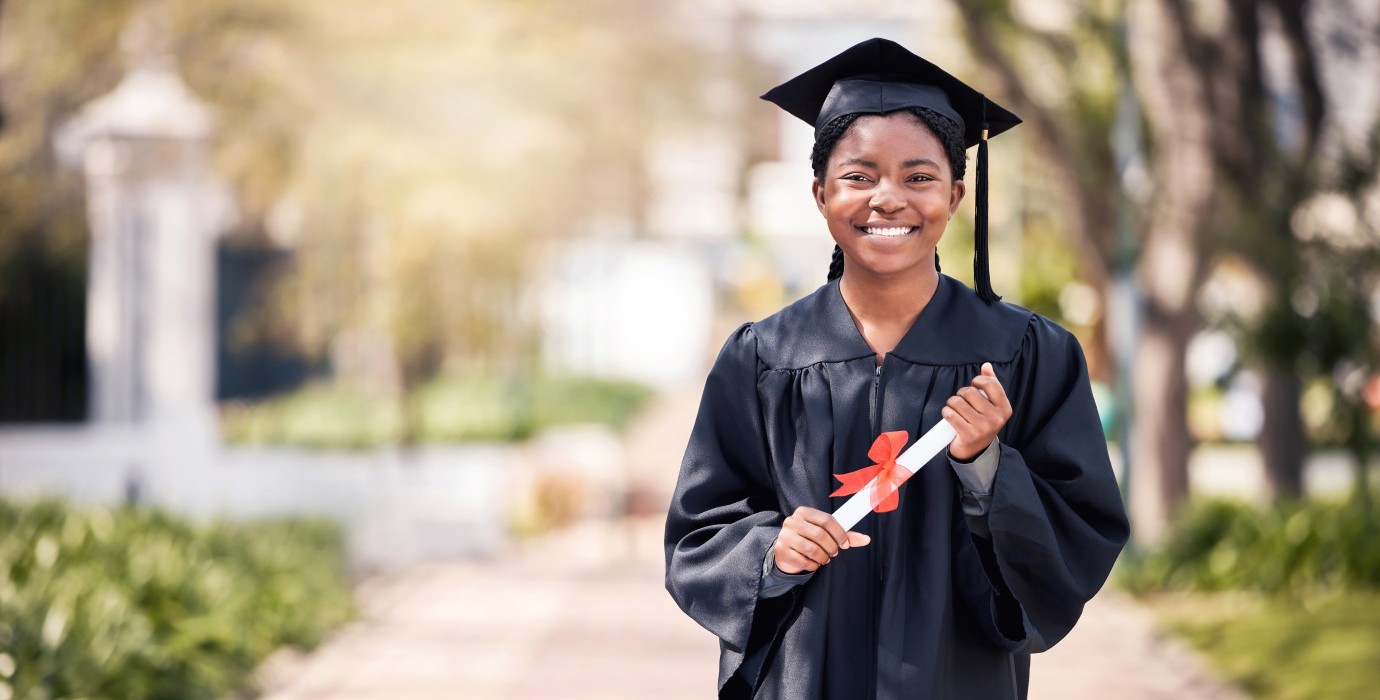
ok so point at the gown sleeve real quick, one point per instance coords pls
(1055, 522)
(724, 515)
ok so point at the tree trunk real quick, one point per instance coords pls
(1089, 211)
(1171, 266)
(1161, 440)
(1282, 440)
(1360, 446)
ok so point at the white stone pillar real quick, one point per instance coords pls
(154, 216)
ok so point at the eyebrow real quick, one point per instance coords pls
(915, 162)
(859, 161)
(912, 163)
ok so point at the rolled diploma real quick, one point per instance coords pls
(915, 456)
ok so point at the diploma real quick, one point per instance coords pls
(909, 462)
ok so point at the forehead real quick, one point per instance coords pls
(898, 134)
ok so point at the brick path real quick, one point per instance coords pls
(583, 616)
(537, 626)
(516, 630)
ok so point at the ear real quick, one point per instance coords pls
(956, 196)
(818, 189)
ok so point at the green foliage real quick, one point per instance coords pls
(471, 408)
(1283, 601)
(317, 416)
(136, 603)
(1277, 650)
(574, 400)
(338, 127)
(1291, 550)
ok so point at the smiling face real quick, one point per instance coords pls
(887, 193)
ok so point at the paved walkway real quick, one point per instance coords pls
(544, 624)
(517, 629)
(583, 616)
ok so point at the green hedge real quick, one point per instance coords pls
(1294, 550)
(136, 603)
(453, 409)
(317, 416)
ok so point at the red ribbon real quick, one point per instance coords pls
(885, 449)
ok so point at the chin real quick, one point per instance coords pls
(892, 265)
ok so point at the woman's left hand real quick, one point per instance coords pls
(975, 417)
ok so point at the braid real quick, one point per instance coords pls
(836, 264)
(825, 141)
(950, 136)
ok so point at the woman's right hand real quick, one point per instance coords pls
(809, 539)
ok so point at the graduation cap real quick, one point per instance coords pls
(879, 76)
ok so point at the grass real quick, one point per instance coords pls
(1277, 649)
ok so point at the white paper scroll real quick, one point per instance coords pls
(915, 456)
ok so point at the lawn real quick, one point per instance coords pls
(1281, 650)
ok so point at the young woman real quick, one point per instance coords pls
(994, 548)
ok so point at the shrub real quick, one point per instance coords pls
(573, 400)
(316, 416)
(1293, 550)
(136, 603)
(469, 408)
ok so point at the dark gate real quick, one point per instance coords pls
(43, 373)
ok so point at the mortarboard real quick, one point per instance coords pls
(879, 76)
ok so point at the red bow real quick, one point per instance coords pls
(884, 451)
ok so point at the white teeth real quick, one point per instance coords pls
(889, 231)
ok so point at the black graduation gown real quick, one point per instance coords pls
(928, 609)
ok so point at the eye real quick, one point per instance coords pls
(921, 177)
(854, 177)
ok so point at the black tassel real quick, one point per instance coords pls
(982, 276)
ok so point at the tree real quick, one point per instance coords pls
(1269, 166)
(1331, 335)
(1221, 183)
(1073, 134)
(1070, 128)
(447, 146)
(1166, 55)
(418, 158)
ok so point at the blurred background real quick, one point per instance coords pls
(349, 349)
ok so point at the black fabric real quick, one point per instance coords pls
(879, 76)
(927, 610)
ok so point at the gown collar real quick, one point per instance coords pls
(922, 340)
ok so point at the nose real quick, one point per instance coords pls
(886, 199)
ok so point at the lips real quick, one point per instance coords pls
(888, 231)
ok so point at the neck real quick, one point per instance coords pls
(889, 299)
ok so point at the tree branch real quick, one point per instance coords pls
(1292, 16)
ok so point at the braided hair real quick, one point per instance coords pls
(950, 136)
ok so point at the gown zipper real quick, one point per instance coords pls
(877, 549)
(876, 386)
(876, 430)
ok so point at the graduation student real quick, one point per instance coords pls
(994, 547)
